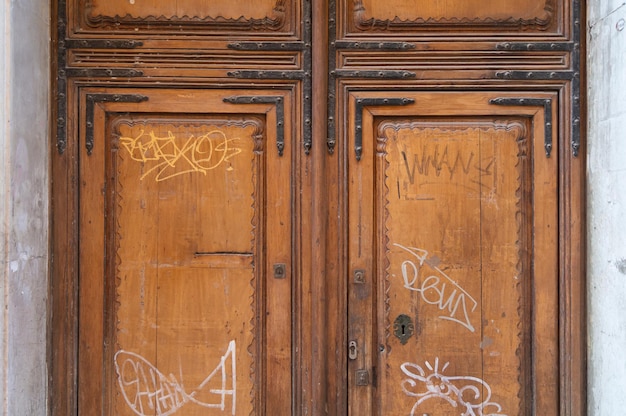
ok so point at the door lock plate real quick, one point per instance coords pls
(352, 350)
(362, 378)
(359, 276)
(280, 271)
(403, 328)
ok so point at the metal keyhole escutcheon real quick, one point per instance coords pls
(403, 328)
(352, 350)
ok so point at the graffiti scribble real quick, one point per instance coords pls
(197, 154)
(459, 391)
(437, 288)
(148, 392)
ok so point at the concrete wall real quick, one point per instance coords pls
(24, 81)
(606, 208)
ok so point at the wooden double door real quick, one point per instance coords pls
(289, 207)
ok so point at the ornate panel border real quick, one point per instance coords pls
(257, 305)
(523, 195)
(276, 20)
(362, 22)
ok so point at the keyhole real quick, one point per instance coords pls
(352, 350)
(403, 328)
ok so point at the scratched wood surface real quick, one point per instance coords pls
(364, 17)
(182, 8)
(141, 17)
(453, 257)
(181, 326)
(444, 224)
(179, 258)
(451, 9)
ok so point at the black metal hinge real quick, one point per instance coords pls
(249, 74)
(280, 113)
(572, 76)
(537, 75)
(100, 43)
(387, 46)
(361, 103)
(381, 74)
(267, 46)
(535, 46)
(546, 103)
(303, 75)
(100, 73)
(92, 99)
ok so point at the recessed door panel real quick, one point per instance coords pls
(388, 18)
(185, 297)
(187, 16)
(452, 219)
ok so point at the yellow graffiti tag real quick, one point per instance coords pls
(197, 154)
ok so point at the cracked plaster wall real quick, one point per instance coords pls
(24, 88)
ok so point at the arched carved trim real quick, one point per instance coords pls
(364, 23)
(274, 21)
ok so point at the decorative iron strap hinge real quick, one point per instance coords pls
(546, 103)
(535, 46)
(361, 103)
(100, 44)
(249, 74)
(280, 113)
(388, 46)
(100, 73)
(92, 99)
(538, 75)
(331, 141)
(381, 74)
(267, 46)
(303, 75)
(65, 72)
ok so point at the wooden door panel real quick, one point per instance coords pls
(452, 221)
(390, 18)
(189, 309)
(182, 17)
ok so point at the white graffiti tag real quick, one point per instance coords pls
(147, 391)
(469, 393)
(437, 288)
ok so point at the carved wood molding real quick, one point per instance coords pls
(362, 22)
(523, 267)
(382, 200)
(274, 21)
(386, 126)
(191, 122)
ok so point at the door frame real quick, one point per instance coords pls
(320, 387)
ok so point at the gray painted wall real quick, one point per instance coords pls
(606, 207)
(24, 81)
(4, 191)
